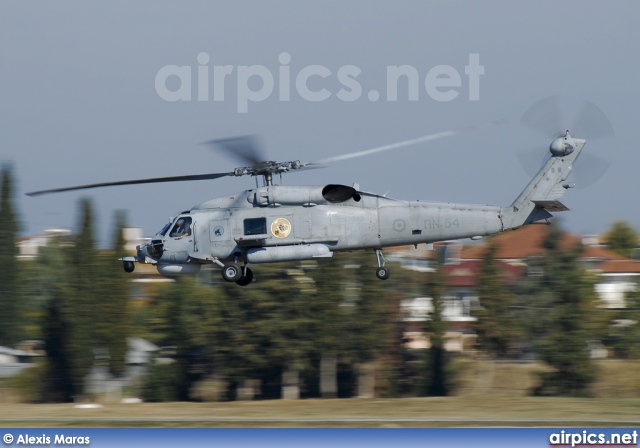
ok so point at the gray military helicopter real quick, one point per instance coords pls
(273, 223)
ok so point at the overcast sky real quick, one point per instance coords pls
(80, 102)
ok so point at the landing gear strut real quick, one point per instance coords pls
(382, 272)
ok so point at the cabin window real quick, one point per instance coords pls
(182, 227)
(255, 226)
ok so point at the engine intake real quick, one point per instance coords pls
(279, 195)
(338, 193)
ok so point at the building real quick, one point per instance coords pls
(514, 252)
(29, 247)
(617, 276)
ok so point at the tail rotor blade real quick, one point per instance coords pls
(592, 123)
(532, 159)
(544, 117)
(588, 169)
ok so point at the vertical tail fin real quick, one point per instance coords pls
(542, 195)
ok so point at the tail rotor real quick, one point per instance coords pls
(546, 119)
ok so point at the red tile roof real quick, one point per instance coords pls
(528, 241)
(466, 272)
(620, 267)
(600, 252)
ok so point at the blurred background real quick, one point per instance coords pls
(537, 311)
(98, 93)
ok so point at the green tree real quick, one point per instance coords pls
(396, 372)
(352, 316)
(184, 318)
(328, 328)
(624, 334)
(622, 238)
(371, 320)
(70, 273)
(54, 284)
(280, 325)
(83, 300)
(436, 374)
(567, 323)
(266, 329)
(112, 300)
(496, 324)
(11, 321)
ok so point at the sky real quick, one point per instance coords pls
(109, 91)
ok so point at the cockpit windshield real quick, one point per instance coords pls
(164, 230)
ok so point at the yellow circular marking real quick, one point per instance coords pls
(281, 227)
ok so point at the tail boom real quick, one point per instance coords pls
(542, 195)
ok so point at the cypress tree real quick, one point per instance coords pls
(70, 318)
(10, 299)
(496, 325)
(568, 321)
(328, 326)
(436, 379)
(54, 282)
(112, 293)
(81, 311)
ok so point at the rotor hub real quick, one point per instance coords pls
(562, 146)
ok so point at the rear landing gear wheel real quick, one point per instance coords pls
(383, 273)
(231, 272)
(246, 278)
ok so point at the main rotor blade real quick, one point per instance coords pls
(245, 148)
(414, 141)
(133, 182)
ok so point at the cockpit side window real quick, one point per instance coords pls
(182, 227)
(255, 226)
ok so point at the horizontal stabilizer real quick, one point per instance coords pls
(551, 206)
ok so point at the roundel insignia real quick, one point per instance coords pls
(218, 231)
(281, 227)
(399, 225)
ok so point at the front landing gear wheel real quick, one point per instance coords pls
(246, 278)
(383, 273)
(231, 272)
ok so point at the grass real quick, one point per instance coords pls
(488, 394)
(480, 410)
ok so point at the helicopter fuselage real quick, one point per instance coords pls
(283, 223)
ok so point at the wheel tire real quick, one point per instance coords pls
(383, 273)
(128, 266)
(246, 279)
(231, 272)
